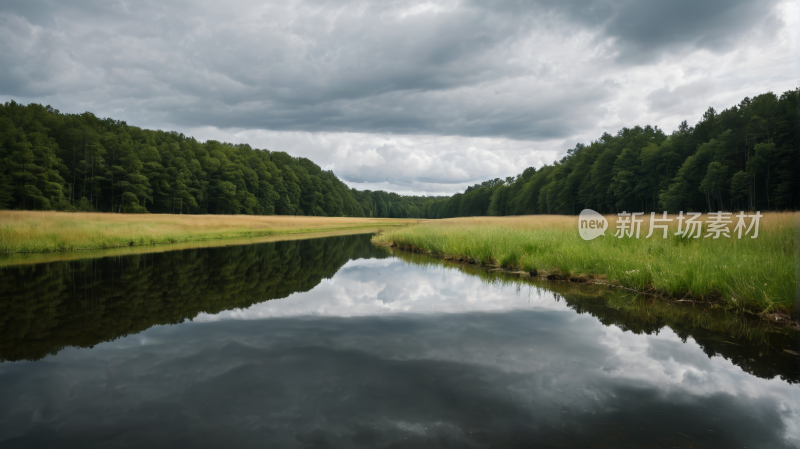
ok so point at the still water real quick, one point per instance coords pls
(336, 343)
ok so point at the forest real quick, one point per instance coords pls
(78, 162)
(745, 157)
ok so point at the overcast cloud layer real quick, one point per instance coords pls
(406, 96)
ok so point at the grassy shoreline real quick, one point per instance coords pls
(43, 232)
(19, 259)
(757, 275)
(647, 311)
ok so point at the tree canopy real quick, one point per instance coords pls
(56, 161)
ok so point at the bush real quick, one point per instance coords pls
(84, 205)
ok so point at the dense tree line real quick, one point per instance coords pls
(55, 161)
(745, 157)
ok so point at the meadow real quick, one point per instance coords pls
(754, 274)
(38, 232)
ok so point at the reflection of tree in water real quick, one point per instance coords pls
(753, 345)
(46, 307)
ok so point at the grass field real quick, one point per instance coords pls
(37, 232)
(754, 274)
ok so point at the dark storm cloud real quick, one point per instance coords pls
(646, 31)
(402, 67)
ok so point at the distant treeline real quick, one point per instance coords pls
(56, 161)
(745, 157)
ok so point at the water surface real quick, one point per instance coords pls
(336, 343)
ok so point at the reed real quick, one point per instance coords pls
(36, 232)
(752, 274)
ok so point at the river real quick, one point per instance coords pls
(333, 342)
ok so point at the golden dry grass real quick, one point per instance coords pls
(31, 231)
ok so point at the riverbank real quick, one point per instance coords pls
(757, 275)
(41, 232)
(19, 259)
(639, 313)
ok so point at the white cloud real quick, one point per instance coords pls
(407, 164)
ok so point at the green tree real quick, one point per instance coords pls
(740, 189)
(713, 185)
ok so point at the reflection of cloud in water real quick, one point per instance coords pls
(388, 353)
(451, 378)
(659, 362)
(389, 286)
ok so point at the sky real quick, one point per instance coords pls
(412, 97)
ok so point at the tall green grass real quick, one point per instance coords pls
(754, 274)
